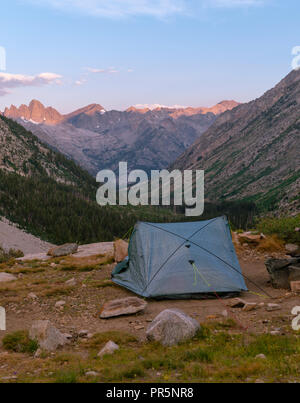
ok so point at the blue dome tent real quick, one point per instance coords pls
(181, 260)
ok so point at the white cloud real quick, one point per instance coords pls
(118, 8)
(153, 8)
(111, 70)
(235, 3)
(9, 81)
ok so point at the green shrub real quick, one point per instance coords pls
(283, 227)
(19, 342)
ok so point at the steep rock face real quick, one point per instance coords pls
(35, 113)
(254, 150)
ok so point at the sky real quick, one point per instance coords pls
(118, 53)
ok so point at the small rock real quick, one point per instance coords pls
(60, 304)
(139, 327)
(172, 326)
(32, 296)
(273, 307)
(83, 333)
(225, 313)
(292, 249)
(250, 306)
(261, 356)
(237, 303)
(275, 332)
(38, 353)
(6, 277)
(91, 373)
(124, 306)
(71, 282)
(68, 336)
(48, 337)
(109, 348)
(63, 250)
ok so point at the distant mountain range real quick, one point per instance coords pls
(97, 139)
(253, 151)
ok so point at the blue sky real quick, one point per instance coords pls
(125, 52)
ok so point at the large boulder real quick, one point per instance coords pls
(63, 250)
(124, 306)
(48, 337)
(171, 327)
(279, 271)
(120, 250)
(6, 277)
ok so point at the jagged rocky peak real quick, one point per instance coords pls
(35, 112)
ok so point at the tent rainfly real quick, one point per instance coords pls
(181, 260)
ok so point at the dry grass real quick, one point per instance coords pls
(212, 356)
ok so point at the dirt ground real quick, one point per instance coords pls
(84, 301)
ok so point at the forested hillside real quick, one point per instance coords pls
(51, 197)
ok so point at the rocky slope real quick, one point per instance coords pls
(253, 151)
(97, 139)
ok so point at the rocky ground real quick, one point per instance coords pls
(70, 292)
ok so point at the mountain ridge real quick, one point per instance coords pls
(252, 151)
(98, 139)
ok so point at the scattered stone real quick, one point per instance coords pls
(91, 373)
(48, 337)
(237, 303)
(250, 306)
(60, 304)
(83, 333)
(31, 295)
(6, 277)
(275, 333)
(172, 326)
(273, 307)
(261, 356)
(295, 286)
(68, 336)
(139, 327)
(63, 250)
(120, 250)
(124, 306)
(38, 353)
(225, 313)
(53, 265)
(71, 282)
(292, 249)
(109, 348)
